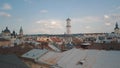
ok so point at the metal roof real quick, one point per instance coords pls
(50, 58)
(66, 59)
(34, 53)
(107, 59)
(76, 58)
(53, 47)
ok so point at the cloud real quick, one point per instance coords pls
(41, 30)
(107, 24)
(50, 26)
(86, 24)
(89, 24)
(6, 6)
(43, 11)
(50, 23)
(88, 27)
(106, 17)
(87, 19)
(115, 16)
(3, 14)
(111, 19)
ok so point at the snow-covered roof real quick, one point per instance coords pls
(107, 59)
(34, 53)
(65, 59)
(71, 58)
(76, 58)
(53, 47)
(50, 58)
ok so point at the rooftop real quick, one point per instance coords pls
(2, 39)
(34, 53)
(76, 58)
(11, 61)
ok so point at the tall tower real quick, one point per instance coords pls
(21, 32)
(68, 31)
(68, 26)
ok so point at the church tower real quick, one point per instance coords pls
(116, 29)
(21, 32)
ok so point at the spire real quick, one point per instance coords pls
(68, 19)
(14, 34)
(21, 31)
(6, 28)
(116, 26)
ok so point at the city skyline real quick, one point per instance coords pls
(49, 16)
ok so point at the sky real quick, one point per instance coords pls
(49, 16)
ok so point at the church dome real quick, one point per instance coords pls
(6, 30)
